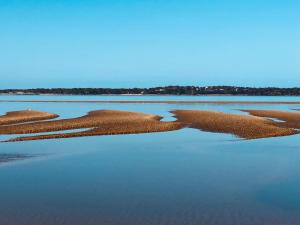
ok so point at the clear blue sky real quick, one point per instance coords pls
(130, 43)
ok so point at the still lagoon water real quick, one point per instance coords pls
(184, 177)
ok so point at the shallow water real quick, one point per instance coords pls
(184, 177)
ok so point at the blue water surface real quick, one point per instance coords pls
(184, 177)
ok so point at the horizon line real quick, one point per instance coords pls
(160, 86)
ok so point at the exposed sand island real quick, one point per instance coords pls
(101, 122)
(244, 126)
(289, 119)
(110, 122)
(25, 116)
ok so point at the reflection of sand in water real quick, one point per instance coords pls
(287, 119)
(5, 157)
(101, 122)
(243, 126)
(25, 116)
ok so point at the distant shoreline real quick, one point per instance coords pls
(162, 90)
(3, 94)
(156, 95)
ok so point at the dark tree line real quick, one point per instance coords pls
(168, 90)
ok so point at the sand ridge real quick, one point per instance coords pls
(100, 122)
(25, 116)
(112, 122)
(244, 126)
(289, 119)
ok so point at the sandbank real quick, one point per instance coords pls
(25, 116)
(244, 126)
(288, 119)
(101, 122)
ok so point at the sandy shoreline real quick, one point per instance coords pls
(156, 102)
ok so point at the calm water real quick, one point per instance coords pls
(185, 177)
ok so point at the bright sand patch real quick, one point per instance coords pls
(101, 122)
(25, 116)
(244, 126)
(289, 119)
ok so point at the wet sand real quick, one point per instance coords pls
(25, 116)
(159, 102)
(244, 126)
(289, 119)
(101, 122)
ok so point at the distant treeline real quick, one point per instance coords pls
(168, 90)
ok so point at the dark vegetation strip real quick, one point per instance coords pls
(164, 90)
